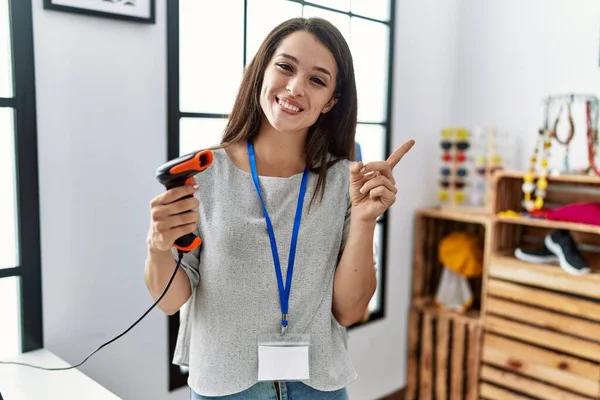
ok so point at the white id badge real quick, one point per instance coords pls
(283, 357)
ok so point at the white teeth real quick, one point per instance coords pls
(288, 106)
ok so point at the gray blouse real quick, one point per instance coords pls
(235, 296)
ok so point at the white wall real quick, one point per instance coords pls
(101, 87)
(514, 53)
(425, 75)
(101, 97)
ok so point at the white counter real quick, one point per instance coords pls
(24, 383)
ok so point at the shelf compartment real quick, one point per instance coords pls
(562, 190)
(510, 236)
(431, 226)
(443, 353)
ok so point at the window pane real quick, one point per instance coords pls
(375, 302)
(10, 318)
(263, 16)
(372, 142)
(6, 89)
(378, 9)
(211, 36)
(341, 21)
(342, 5)
(370, 53)
(200, 133)
(8, 209)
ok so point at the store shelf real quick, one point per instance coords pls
(585, 179)
(455, 215)
(549, 224)
(534, 330)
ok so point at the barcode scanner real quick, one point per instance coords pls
(174, 173)
(178, 172)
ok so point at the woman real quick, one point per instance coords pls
(290, 137)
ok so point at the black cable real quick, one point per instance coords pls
(112, 340)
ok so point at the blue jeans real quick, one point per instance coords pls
(279, 391)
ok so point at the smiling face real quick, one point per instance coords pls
(299, 83)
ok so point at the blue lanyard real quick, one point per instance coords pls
(284, 291)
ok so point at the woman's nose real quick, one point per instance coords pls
(296, 86)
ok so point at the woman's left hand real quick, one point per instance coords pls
(372, 185)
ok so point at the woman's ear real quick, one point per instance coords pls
(329, 105)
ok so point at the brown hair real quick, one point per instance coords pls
(334, 132)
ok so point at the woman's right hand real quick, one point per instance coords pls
(172, 216)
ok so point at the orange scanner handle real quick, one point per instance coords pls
(178, 172)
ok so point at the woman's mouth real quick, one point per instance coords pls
(288, 107)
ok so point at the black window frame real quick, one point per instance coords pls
(177, 377)
(23, 102)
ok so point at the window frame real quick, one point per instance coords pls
(178, 378)
(23, 103)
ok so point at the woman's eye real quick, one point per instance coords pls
(318, 81)
(285, 67)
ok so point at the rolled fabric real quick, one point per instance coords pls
(462, 252)
(583, 213)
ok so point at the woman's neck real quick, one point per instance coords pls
(279, 153)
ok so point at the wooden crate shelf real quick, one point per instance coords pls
(541, 331)
(431, 226)
(569, 179)
(547, 224)
(561, 190)
(506, 238)
(535, 333)
(454, 215)
(443, 353)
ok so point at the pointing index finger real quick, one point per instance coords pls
(399, 153)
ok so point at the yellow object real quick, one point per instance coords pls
(542, 183)
(544, 136)
(539, 203)
(462, 134)
(460, 197)
(462, 253)
(443, 195)
(509, 213)
(447, 133)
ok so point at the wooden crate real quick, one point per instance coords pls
(541, 333)
(541, 325)
(443, 360)
(534, 331)
(431, 225)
